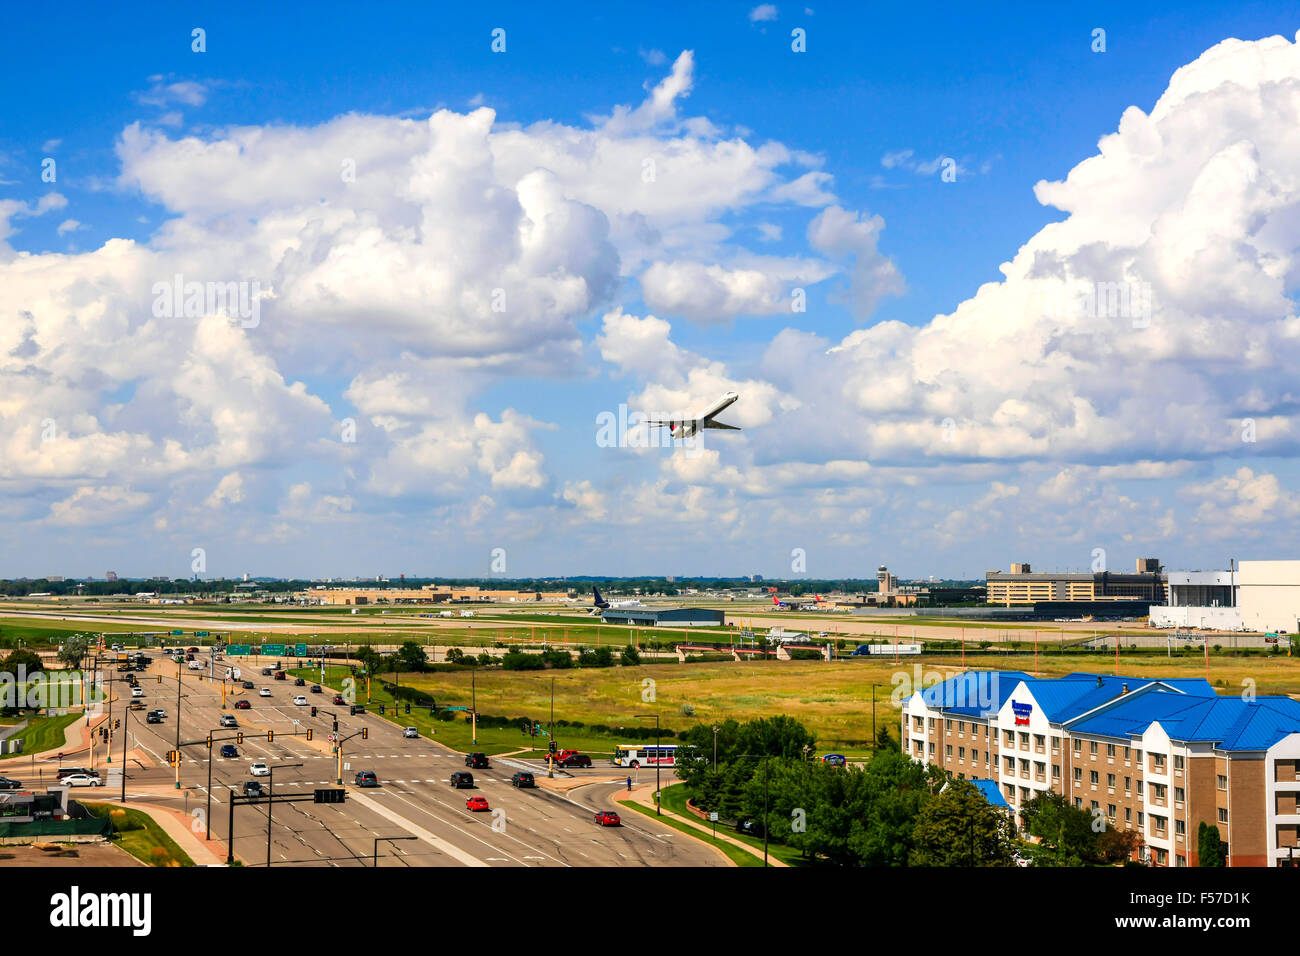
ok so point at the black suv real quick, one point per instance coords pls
(299, 682)
(252, 788)
(523, 779)
(478, 761)
(367, 778)
(462, 780)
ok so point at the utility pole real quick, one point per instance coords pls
(178, 722)
(658, 760)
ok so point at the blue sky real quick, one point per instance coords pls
(878, 99)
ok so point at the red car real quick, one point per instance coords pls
(477, 803)
(242, 705)
(608, 818)
(338, 699)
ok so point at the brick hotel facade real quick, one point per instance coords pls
(1156, 757)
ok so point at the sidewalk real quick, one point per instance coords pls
(643, 795)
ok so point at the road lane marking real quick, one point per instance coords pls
(432, 839)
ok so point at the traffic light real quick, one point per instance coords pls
(407, 705)
(209, 741)
(329, 795)
(365, 733)
(117, 723)
(352, 710)
(239, 738)
(270, 735)
(313, 711)
(309, 733)
(336, 726)
(381, 709)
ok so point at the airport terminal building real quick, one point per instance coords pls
(1157, 757)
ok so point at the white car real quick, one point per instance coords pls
(195, 666)
(82, 780)
(264, 692)
(137, 691)
(410, 732)
(260, 769)
(300, 700)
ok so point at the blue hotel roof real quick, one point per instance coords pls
(991, 792)
(1188, 709)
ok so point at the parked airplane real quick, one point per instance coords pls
(689, 427)
(600, 604)
(777, 602)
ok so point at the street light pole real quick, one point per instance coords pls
(178, 723)
(658, 761)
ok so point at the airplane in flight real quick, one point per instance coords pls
(690, 427)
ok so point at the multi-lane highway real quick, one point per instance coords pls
(531, 827)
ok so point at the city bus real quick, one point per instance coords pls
(645, 755)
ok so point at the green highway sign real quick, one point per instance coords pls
(200, 633)
(300, 650)
(273, 650)
(177, 633)
(237, 650)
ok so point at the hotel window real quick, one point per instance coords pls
(1095, 805)
(1158, 763)
(961, 753)
(1139, 788)
(1056, 744)
(1010, 764)
(1078, 802)
(1180, 795)
(1159, 823)
(947, 725)
(1158, 792)
(1223, 814)
(1128, 814)
(1180, 826)
(932, 724)
(931, 748)
(961, 726)
(1178, 761)
(1056, 771)
(1182, 860)
(947, 750)
(1110, 750)
(1137, 755)
(1092, 777)
(1078, 746)
(1223, 782)
(1009, 738)
(1110, 780)
(918, 723)
(1078, 773)
(1162, 857)
(1126, 753)
(1110, 812)
(1092, 747)
(1128, 784)
(974, 755)
(1024, 741)
(1141, 818)
(1024, 768)
(1024, 794)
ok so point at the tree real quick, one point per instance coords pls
(1068, 835)
(74, 649)
(958, 827)
(24, 658)
(780, 736)
(370, 659)
(411, 656)
(630, 656)
(895, 788)
(1210, 848)
(884, 741)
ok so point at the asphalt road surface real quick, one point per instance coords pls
(533, 827)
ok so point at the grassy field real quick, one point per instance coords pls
(833, 699)
(137, 833)
(43, 733)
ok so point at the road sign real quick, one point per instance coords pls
(237, 650)
(273, 650)
(330, 738)
(177, 633)
(713, 817)
(300, 650)
(200, 633)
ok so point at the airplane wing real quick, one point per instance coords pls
(684, 421)
(712, 424)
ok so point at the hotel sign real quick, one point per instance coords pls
(1022, 712)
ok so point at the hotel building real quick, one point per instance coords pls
(1157, 757)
